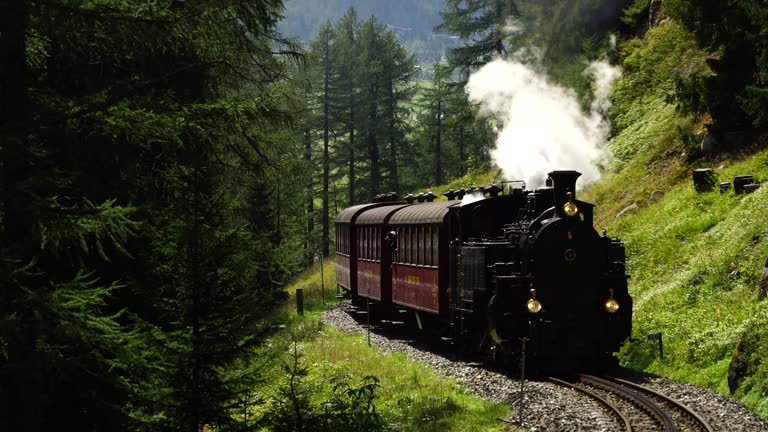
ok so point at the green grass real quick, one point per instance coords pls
(411, 397)
(695, 259)
(478, 177)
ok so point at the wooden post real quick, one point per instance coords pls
(300, 301)
(322, 280)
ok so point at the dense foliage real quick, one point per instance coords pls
(364, 98)
(144, 226)
(735, 33)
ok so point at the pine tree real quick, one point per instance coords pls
(486, 29)
(323, 48)
(735, 30)
(345, 51)
(399, 71)
(132, 139)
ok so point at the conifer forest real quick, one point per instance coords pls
(168, 167)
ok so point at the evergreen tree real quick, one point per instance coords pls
(737, 93)
(348, 99)
(371, 69)
(135, 263)
(399, 71)
(486, 28)
(323, 48)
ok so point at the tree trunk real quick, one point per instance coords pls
(394, 182)
(14, 18)
(373, 145)
(438, 144)
(351, 150)
(308, 246)
(326, 163)
(22, 376)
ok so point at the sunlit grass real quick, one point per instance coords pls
(411, 397)
(695, 259)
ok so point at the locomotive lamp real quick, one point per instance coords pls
(533, 305)
(611, 305)
(570, 208)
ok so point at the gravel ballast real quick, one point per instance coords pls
(549, 407)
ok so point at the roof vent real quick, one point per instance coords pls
(460, 194)
(450, 194)
(430, 196)
(420, 197)
(493, 190)
(386, 197)
(410, 198)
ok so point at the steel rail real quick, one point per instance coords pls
(679, 405)
(611, 407)
(646, 404)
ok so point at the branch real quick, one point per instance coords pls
(116, 97)
(97, 14)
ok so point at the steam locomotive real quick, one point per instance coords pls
(511, 273)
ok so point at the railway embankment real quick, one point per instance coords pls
(696, 258)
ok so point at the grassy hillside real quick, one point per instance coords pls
(695, 259)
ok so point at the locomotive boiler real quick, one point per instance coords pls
(520, 270)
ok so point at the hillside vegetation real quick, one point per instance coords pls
(327, 379)
(695, 258)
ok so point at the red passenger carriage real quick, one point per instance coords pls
(374, 255)
(420, 268)
(347, 245)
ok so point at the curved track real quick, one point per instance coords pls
(637, 408)
(686, 418)
(613, 409)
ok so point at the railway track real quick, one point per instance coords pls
(637, 408)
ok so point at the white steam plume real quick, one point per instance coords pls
(543, 127)
(473, 197)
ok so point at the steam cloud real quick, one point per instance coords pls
(542, 126)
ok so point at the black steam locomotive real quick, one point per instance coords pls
(493, 274)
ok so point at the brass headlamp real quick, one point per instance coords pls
(570, 208)
(611, 305)
(533, 305)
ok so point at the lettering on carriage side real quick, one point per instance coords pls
(413, 279)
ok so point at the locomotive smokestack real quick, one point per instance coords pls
(564, 182)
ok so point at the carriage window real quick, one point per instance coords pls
(412, 244)
(420, 245)
(368, 243)
(408, 243)
(377, 252)
(405, 245)
(428, 245)
(435, 244)
(375, 238)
